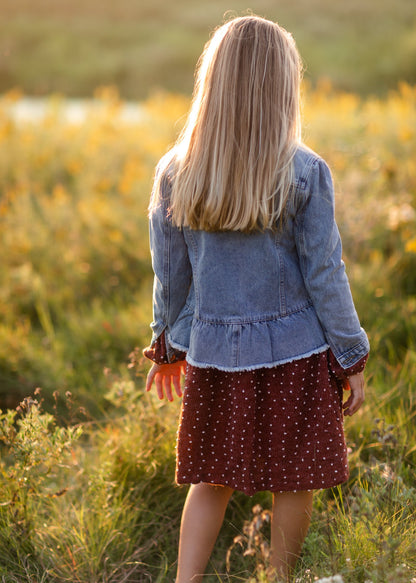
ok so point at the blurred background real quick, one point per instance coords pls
(73, 46)
(92, 94)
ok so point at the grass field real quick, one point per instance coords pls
(87, 460)
(73, 46)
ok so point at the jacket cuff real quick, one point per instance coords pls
(160, 353)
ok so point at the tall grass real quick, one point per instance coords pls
(87, 460)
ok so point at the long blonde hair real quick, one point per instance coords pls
(233, 159)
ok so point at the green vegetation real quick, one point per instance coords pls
(87, 460)
(73, 46)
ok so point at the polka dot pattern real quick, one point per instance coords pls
(277, 429)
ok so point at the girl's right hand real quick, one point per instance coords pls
(356, 398)
(164, 376)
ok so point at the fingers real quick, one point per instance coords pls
(168, 389)
(159, 385)
(177, 385)
(151, 376)
(352, 405)
(164, 376)
(356, 398)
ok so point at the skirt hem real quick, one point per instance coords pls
(251, 491)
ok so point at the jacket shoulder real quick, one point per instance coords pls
(308, 167)
(303, 163)
(162, 183)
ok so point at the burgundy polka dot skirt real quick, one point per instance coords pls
(277, 429)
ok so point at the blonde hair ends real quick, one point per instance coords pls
(233, 160)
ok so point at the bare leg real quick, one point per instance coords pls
(202, 517)
(290, 522)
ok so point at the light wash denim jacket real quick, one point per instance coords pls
(237, 301)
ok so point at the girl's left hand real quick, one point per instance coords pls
(356, 398)
(164, 376)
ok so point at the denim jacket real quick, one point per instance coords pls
(237, 301)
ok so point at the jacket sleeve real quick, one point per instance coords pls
(320, 255)
(172, 306)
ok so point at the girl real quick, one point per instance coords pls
(250, 287)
